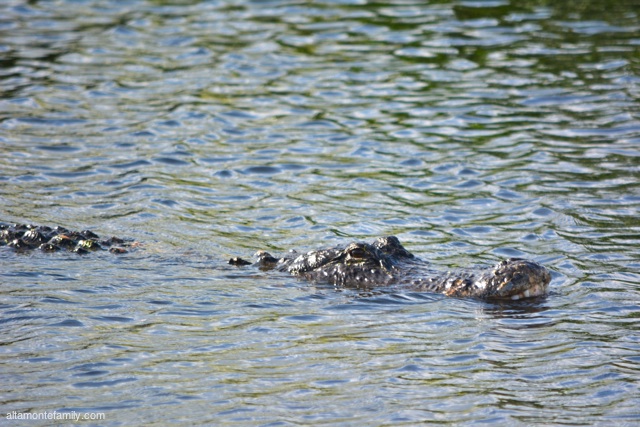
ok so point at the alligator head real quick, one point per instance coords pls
(516, 278)
(511, 279)
(358, 264)
(386, 261)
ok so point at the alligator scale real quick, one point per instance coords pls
(360, 265)
(23, 237)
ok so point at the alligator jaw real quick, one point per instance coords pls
(535, 291)
(511, 279)
(515, 279)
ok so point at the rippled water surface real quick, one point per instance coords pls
(473, 130)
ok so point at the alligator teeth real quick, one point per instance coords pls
(533, 292)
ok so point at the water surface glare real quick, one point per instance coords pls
(473, 130)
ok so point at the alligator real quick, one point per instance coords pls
(358, 265)
(385, 262)
(24, 237)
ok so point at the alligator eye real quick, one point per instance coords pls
(357, 253)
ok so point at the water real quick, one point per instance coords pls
(473, 130)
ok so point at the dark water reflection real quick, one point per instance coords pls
(473, 130)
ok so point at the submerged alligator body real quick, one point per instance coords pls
(359, 265)
(23, 237)
(386, 262)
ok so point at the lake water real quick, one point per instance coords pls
(472, 130)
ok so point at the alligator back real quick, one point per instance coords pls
(24, 237)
